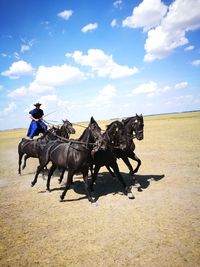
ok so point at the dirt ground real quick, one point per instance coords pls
(160, 227)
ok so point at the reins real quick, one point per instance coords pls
(73, 141)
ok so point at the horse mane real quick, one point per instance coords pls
(111, 124)
(83, 133)
(125, 121)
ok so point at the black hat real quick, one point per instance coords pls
(37, 104)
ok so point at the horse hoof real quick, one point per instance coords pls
(130, 196)
(94, 204)
(32, 184)
(48, 190)
(61, 199)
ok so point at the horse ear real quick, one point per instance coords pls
(92, 120)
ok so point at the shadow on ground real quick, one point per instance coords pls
(106, 184)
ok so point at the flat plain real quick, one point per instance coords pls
(160, 227)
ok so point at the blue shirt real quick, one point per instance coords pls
(36, 113)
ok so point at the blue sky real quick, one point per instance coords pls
(107, 59)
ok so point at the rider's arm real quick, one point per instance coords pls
(32, 118)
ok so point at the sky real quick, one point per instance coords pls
(101, 58)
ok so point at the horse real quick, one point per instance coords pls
(134, 129)
(74, 156)
(130, 128)
(33, 148)
(107, 156)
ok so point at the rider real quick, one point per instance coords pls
(37, 125)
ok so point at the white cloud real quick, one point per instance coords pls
(66, 14)
(89, 27)
(1, 87)
(181, 85)
(189, 48)
(171, 33)
(102, 64)
(196, 63)
(47, 78)
(113, 23)
(25, 47)
(59, 109)
(152, 89)
(36, 88)
(18, 69)
(58, 75)
(147, 15)
(104, 98)
(8, 110)
(21, 91)
(117, 3)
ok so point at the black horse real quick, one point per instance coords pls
(74, 156)
(134, 129)
(119, 136)
(33, 148)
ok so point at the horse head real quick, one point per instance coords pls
(97, 138)
(135, 124)
(66, 129)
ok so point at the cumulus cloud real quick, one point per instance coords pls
(47, 78)
(21, 91)
(17, 69)
(102, 64)
(89, 27)
(66, 14)
(167, 26)
(171, 33)
(196, 62)
(58, 75)
(104, 97)
(153, 89)
(147, 15)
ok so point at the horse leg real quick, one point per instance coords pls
(39, 169)
(135, 158)
(51, 171)
(67, 186)
(128, 164)
(20, 162)
(87, 186)
(61, 176)
(127, 188)
(110, 171)
(25, 158)
(94, 177)
(43, 163)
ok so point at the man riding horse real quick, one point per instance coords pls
(37, 125)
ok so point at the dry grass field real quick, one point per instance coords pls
(160, 227)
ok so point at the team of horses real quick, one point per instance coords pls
(92, 150)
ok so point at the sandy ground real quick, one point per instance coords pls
(160, 227)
